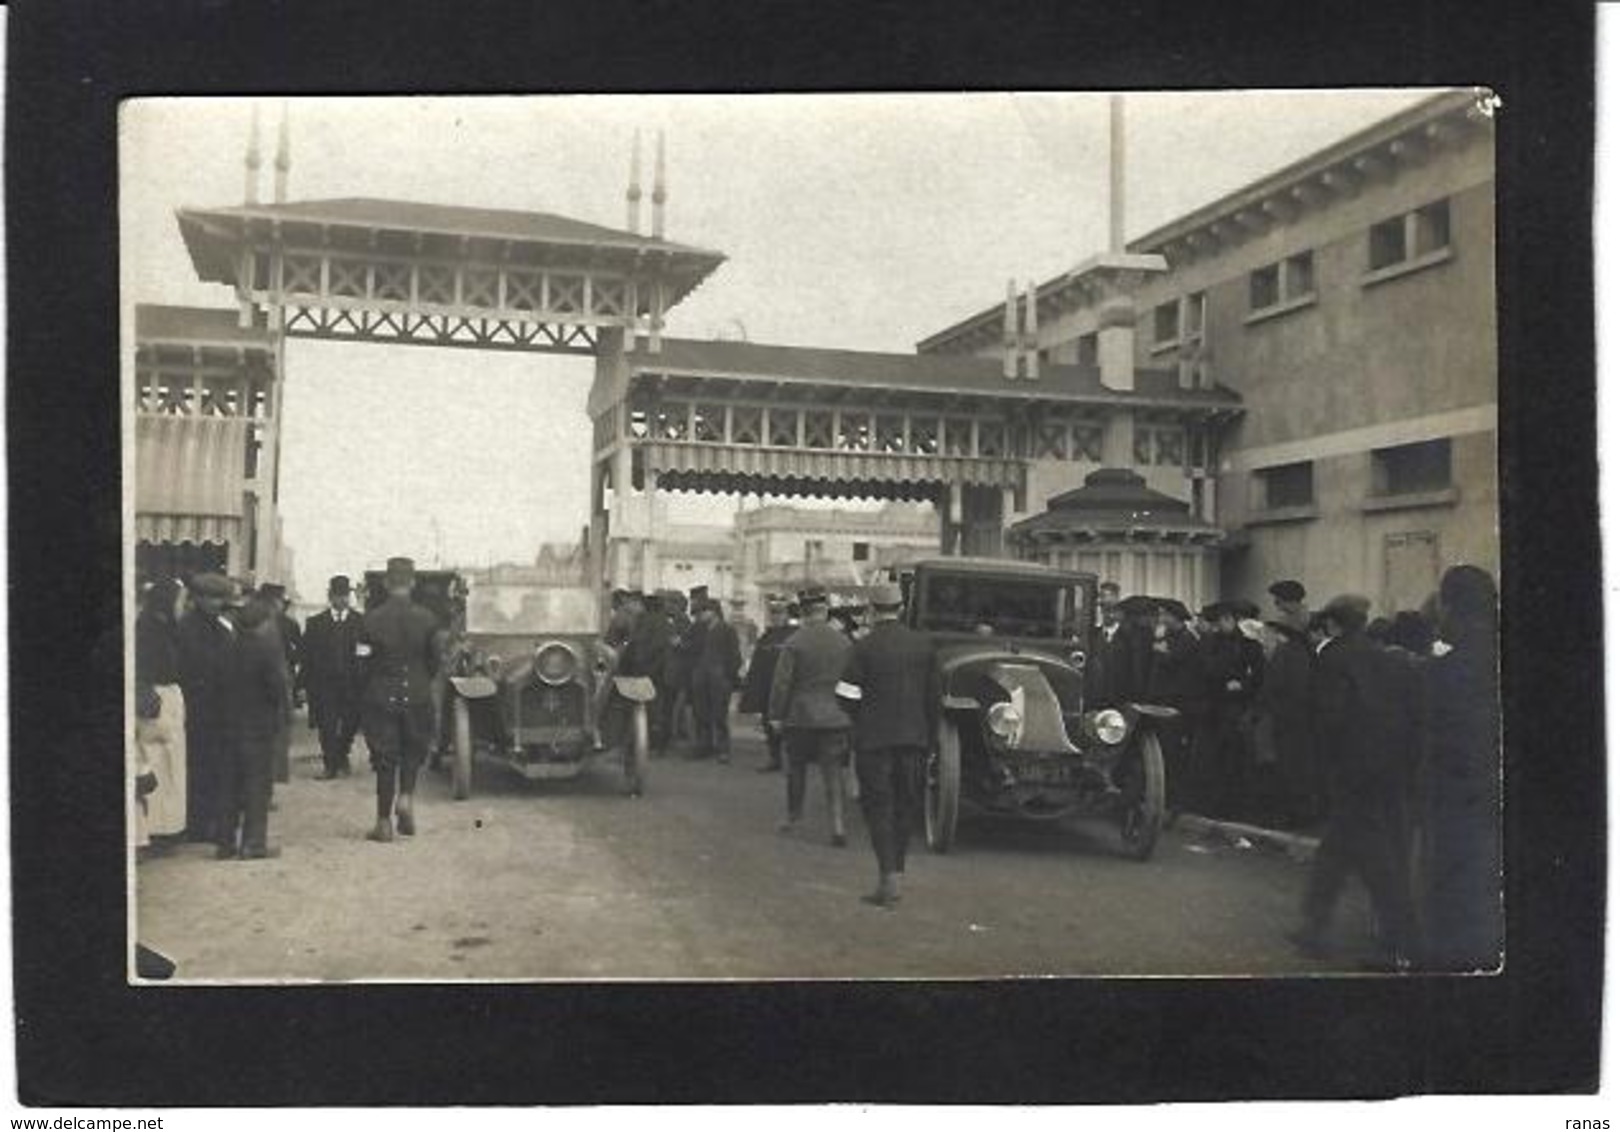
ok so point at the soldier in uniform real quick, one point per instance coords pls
(805, 705)
(396, 643)
(891, 688)
(333, 676)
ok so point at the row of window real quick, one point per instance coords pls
(1405, 469)
(1408, 238)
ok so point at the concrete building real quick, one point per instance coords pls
(1349, 301)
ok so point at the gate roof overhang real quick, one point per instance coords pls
(369, 227)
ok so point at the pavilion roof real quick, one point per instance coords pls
(208, 326)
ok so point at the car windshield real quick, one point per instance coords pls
(1019, 607)
(530, 609)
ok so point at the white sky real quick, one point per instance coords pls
(855, 221)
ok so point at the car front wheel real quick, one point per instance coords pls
(462, 754)
(1143, 812)
(637, 755)
(943, 788)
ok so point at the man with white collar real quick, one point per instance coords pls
(333, 676)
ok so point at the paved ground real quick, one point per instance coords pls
(574, 881)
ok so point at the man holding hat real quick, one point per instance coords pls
(210, 680)
(333, 676)
(397, 646)
(805, 705)
(891, 689)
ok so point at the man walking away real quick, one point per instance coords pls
(262, 705)
(756, 694)
(396, 644)
(1286, 711)
(891, 688)
(333, 676)
(208, 678)
(1363, 699)
(804, 704)
(716, 662)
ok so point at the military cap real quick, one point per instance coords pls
(812, 595)
(697, 592)
(1286, 590)
(273, 590)
(213, 585)
(1174, 608)
(339, 584)
(400, 571)
(886, 595)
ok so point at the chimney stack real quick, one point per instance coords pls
(632, 195)
(250, 163)
(1032, 341)
(1009, 333)
(658, 193)
(283, 158)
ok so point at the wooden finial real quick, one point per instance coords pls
(632, 195)
(250, 162)
(658, 193)
(283, 158)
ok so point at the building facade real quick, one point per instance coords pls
(1349, 301)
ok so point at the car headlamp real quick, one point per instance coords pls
(1109, 727)
(554, 663)
(1005, 722)
(1077, 659)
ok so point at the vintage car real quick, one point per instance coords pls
(1015, 735)
(528, 680)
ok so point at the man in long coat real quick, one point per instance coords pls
(756, 694)
(805, 705)
(333, 676)
(716, 667)
(397, 710)
(261, 720)
(1364, 705)
(210, 682)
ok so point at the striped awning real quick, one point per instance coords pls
(734, 460)
(197, 529)
(190, 467)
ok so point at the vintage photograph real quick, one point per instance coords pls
(783, 537)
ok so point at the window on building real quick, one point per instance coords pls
(1410, 236)
(1299, 276)
(1265, 288)
(1086, 350)
(812, 548)
(862, 552)
(1192, 318)
(1386, 243)
(1410, 469)
(1167, 323)
(1287, 485)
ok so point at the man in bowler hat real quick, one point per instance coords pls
(890, 688)
(397, 645)
(210, 681)
(333, 676)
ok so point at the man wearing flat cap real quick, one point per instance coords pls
(397, 645)
(890, 688)
(333, 676)
(804, 703)
(1289, 598)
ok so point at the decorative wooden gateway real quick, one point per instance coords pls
(963, 432)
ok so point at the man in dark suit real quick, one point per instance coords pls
(261, 720)
(396, 711)
(756, 694)
(210, 683)
(891, 690)
(1234, 667)
(1176, 680)
(1364, 702)
(804, 703)
(716, 667)
(333, 676)
(290, 640)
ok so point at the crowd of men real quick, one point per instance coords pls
(1381, 737)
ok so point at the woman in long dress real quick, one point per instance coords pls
(162, 739)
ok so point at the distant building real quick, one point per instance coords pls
(783, 548)
(1349, 301)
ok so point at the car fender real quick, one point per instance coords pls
(1153, 711)
(473, 687)
(637, 689)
